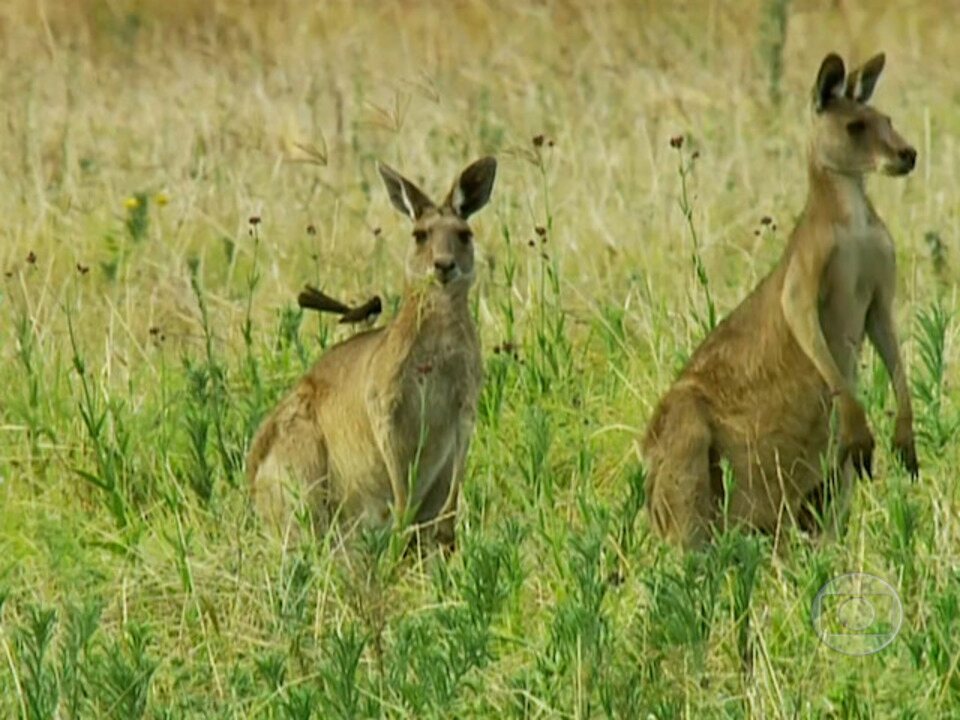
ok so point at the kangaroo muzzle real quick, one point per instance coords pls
(906, 160)
(445, 270)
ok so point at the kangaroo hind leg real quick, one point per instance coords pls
(683, 496)
(287, 470)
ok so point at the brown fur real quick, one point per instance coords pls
(760, 389)
(379, 427)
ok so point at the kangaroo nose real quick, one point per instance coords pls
(909, 156)
(445, 267)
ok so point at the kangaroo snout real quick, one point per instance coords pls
(903, 161)
(445, 268)
(908, 156)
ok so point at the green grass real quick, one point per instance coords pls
(147, 325)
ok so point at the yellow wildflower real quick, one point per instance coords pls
(131, 203)
(161, 199)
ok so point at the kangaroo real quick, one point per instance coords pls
(760, 390)
(379, 428)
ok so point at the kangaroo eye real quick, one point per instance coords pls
(420, 236)
(466, 236)
(856, 127)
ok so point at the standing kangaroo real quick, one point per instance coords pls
(758, 392)
(380, 426)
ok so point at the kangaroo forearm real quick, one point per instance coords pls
(800, 307)
(902, 392)
(809, 336)
(883, 335)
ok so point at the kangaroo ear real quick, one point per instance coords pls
(405, 196)
(862, 81)
(472, 188)
(829, 82)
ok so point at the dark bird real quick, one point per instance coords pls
(312, 299)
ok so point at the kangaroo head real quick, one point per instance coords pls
(850, 136)
(442, 249)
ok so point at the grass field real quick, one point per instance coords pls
(148, 325)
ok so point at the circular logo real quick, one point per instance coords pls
(857, 614)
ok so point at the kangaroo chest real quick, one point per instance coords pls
(437, 405)
(440, 382)
(434, 385)
(862, 260)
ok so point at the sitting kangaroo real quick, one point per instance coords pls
(759, 391)
(379, 427)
